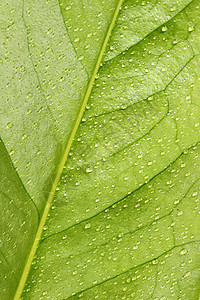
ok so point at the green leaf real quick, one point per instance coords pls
(117, 216)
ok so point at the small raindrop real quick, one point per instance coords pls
(87, 226)
(190, 28)
(89, 170)
(68, 7)
(29, 111)
(164, 28)
(180, 213)
(194, 194)
(9, 125)
(155, 262)
(29, 95)
(188, 274)
(45, 227)
(184, 251)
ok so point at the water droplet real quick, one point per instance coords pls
(68, 7)
(169, 182)
(184, 251)
(29, 111)
(24, 137)
(74, 272)
(164, 28)
(29, 95)
(180, 213)
(9, 125)
(190, 28)
(155, 262)
(89, 170)
(87, 226)
(44, 293)
(187, 274)
(194, 194)
(45, 227)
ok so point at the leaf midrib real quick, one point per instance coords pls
(27, 266)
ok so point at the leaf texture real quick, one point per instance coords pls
(124, 220)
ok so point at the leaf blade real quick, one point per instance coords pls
(141, 119)
(63, 160)
(90, 235)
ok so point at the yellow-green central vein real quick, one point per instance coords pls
(27, 267)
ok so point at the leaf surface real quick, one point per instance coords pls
(124, 219)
